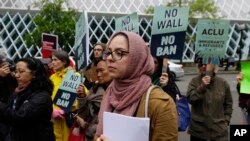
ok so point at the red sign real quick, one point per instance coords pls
(49, 43)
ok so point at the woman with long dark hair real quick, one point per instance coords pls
(29, 109)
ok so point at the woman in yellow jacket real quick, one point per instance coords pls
(60, 63)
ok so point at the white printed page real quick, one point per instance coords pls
(118, 127)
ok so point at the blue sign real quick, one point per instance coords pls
(168, 45)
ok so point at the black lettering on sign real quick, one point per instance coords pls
(125, 21)
(171, 13)
(213, 32)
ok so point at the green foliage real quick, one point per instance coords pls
(198, 8)
(53, 19)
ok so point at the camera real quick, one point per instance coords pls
(12, 64)
(12, 67)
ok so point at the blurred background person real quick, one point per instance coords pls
(98, 50)
(244, 100)
(89, 106)
(7, 86)
(60, 63)
(29, 109)
(211, 105)
(164, 79)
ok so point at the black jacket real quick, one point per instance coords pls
(7, 87)
(28, 113)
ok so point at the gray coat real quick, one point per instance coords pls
(211, 108)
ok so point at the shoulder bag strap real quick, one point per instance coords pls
(178, 94)
(147, 98)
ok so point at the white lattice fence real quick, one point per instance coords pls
(14, 25)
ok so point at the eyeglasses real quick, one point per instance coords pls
(20, 71)
(98, 49)
(116, 54)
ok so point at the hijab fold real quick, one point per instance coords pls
(123, 95)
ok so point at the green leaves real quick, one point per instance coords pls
(54, 19)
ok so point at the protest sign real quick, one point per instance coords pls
(127, 23)
(81, 42)
(91, 74)
(169, 31)
(211, 40)
(49, 43)
(66, 93)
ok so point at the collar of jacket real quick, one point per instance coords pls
(61, 73)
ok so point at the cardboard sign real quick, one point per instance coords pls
(91, 74)
(127, 23)
(211, 40)
(169, 31)
(66, 93)
(49, 43)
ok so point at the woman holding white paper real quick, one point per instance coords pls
(130, 65)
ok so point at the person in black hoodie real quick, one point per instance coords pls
(28, 110)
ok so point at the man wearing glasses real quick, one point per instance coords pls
(90, 70)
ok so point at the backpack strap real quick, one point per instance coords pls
(147, 97)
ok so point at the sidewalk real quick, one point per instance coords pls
(190, 70)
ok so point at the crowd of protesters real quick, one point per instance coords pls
(125, 69)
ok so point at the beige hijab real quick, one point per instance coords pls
(123, 95)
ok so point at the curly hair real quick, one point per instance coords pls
(41, 79)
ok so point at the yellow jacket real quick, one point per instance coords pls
(61, 129)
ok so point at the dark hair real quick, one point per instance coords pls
(160, 65)
(41, 79)
(63, 56)
(197, 59)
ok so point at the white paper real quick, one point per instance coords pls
(118, 127)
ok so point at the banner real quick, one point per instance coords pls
(81, 42)
(211, 40)
(66, 93)
(49, 43)
(128, 23)
(169, 31)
